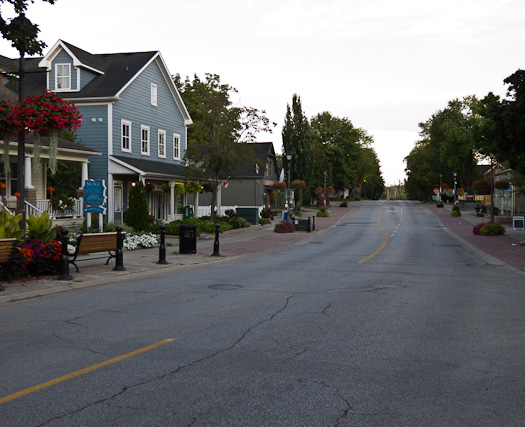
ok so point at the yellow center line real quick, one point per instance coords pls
(382, 246)
(81, 372)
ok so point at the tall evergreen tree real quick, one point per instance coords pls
(297, 141)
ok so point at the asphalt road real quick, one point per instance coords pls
(385, 320)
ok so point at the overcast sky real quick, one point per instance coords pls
(385, 65)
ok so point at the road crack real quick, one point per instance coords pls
(178, 369)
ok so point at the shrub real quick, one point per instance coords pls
(112, 227)
(477, 228)
(439, 205)
(266, 213)
(264, 221)
(455, 213)
(322, 213)
(137, 215)
(284, 227)
(231, 214)
(492, 230)
(344, 204)
(9, 226)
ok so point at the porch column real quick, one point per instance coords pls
(28, 182)
(111, 199)
(219, 199)
(172, 200)
(84, 174)
(196, 208)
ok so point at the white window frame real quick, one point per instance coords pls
(161, 147)
(176, 146)
(66, 76)
(154, 94)
(162, 135)
(122, 136)
(143, 141)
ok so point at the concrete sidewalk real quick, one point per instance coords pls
(506, 248)
(142, 263)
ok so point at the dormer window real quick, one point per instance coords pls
(153, 94)
(62, 77)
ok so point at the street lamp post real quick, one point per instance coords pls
(440, 183)
(491, 191)
(324, 191)
(289, 158)
(455, 183)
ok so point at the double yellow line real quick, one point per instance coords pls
(80, 372)
(382, 246)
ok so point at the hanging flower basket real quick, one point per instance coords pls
(319, 191)
(178, 189)
(298, 184)
(193, 187)
(330, 190)
(45, 115)
(481, 186)
(350, 186)
(277, 185)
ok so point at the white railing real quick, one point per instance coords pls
(5, 208)
(32, 210)
(206, 210)
(76, 211)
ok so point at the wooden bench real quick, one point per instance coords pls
(6, 249)
(96, 242)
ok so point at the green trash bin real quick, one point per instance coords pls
(249, 214)
(187, 239)
(188, 211)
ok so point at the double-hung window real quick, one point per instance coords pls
(63, 77)
(126, 136)
(144, 140)
(176, 146)
(162, 143)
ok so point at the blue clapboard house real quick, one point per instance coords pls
(132, 114)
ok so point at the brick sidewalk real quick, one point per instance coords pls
(506, 248)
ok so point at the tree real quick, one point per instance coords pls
(507, 134)
(220, 135)
(21, 31)
(297, 141)
(137, 215)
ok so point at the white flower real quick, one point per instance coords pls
(146, 240)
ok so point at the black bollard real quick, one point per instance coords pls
(309, 225)
(216, 243)
(313, 223)
(64, 259)
(162, 247)
(119, 256)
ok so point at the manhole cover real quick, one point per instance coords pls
(225, 287)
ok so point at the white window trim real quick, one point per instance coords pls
(122, 123)
(147, 152)
(64, 89)
(161, 132)
(176, 136)
(154, 95)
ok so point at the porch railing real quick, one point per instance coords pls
(43, 205)
(76, 211)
